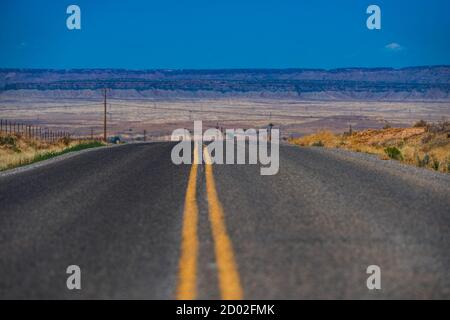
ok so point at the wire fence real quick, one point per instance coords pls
(32, 131)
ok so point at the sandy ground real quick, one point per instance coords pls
(130, 118)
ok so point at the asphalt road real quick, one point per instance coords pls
(141, 227)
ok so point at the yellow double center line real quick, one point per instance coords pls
(187, 277)
(229, 282)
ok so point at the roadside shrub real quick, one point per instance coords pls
(8, 141)
(393, 153)
(440, 127)
(421, 124)
(418, 161)
(426, 160)
(435, 164)
(387, 126)
(318, 144)
(65, 141)
(427, 138)
(423, 162)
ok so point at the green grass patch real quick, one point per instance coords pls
(52, 154)
(78, 147)
(394, 153)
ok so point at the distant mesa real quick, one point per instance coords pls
(414, 83)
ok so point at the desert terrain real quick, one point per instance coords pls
(159, 117)
(297, 101)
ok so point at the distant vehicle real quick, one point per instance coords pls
(115, 140)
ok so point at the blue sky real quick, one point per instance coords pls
(201, 34)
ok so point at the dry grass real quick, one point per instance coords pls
(16, 150)
(425, 145)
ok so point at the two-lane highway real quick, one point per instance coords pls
(142, 227)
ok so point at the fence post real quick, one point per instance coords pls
(33, 132)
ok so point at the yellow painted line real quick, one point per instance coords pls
(187, 274)
(229, 282)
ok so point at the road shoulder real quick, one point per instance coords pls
(47, 162)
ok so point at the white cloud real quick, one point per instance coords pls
(394, 46)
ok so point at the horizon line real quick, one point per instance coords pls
(226, 69)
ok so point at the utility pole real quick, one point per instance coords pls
(104, 115)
